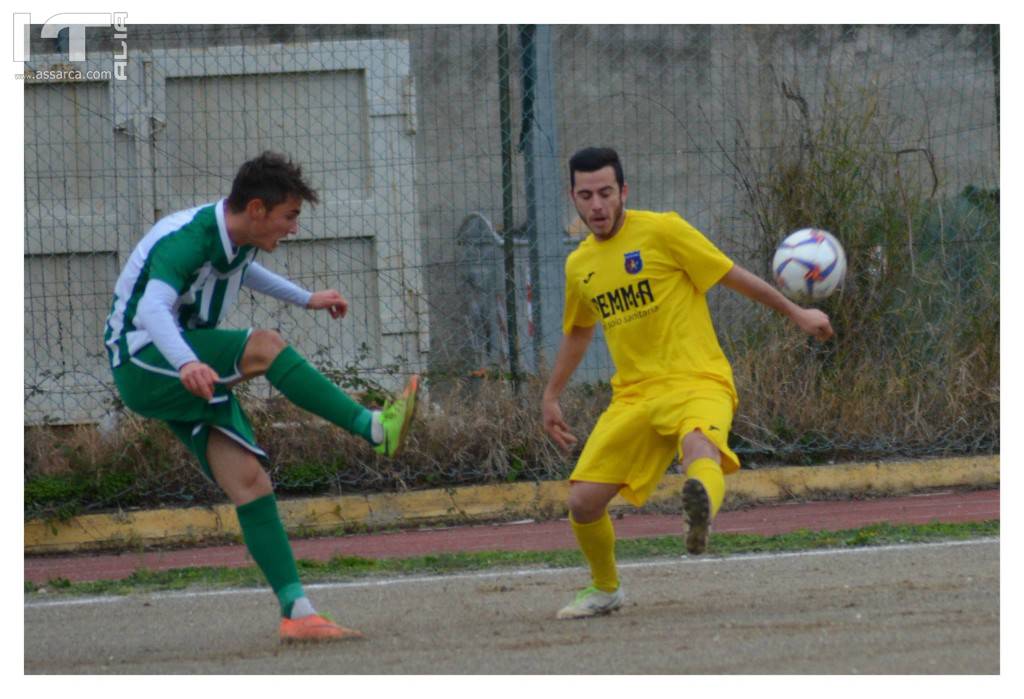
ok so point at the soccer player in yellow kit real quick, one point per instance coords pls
(644, 276)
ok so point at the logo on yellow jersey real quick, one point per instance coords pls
(623, 299)
(633, 262)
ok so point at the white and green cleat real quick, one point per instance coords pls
(592, 602)
(395, 419)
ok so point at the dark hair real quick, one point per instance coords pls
(271, 178)
(592, 160)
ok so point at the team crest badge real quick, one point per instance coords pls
(633, 262)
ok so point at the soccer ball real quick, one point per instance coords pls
(809, 264)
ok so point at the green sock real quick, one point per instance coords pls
(307, 388)
(269, 546)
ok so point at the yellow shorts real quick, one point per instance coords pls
(636, 439)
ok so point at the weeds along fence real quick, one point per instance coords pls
(440, 152)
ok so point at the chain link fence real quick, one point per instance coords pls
(440, 152)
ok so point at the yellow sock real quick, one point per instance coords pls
(709, 473)
(597, 541)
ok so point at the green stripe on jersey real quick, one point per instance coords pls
(187, 250)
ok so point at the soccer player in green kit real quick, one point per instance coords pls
(171, 362)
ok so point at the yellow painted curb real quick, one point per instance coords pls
(545, 500)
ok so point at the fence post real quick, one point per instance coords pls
(507, 214)
(995, 70)
(539, 144)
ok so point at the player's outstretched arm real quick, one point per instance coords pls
(810, 320)
(259, 278)
(570, 354)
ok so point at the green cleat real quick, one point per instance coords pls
(395, 419)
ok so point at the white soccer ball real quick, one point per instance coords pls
(809, 264)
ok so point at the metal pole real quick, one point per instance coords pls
(507, 214)
(539, 144)
(995, 70)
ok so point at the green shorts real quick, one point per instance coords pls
(150, 386)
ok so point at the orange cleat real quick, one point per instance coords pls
(314, 628)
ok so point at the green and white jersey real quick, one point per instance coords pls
(185, 274)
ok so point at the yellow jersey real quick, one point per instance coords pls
(647, 285)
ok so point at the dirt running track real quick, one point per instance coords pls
(931, 608)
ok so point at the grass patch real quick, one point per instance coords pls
(354, 567)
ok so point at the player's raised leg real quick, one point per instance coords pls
(703, 490)
(588, 515)
(239, 473)
(267, 354)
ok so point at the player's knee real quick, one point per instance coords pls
(262, 349)
(269, 342)
(697, 446)
(253, 484)
(260, 483)
(584, 507)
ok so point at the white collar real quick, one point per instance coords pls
(229, 249)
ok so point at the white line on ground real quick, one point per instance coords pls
(402, 580)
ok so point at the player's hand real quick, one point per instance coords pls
(199, 379)
(554, 425)
(814, 323)
(330, 299)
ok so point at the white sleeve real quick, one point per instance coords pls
(155, 317)
(259, 278)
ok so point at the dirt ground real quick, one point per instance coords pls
(914, 609)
